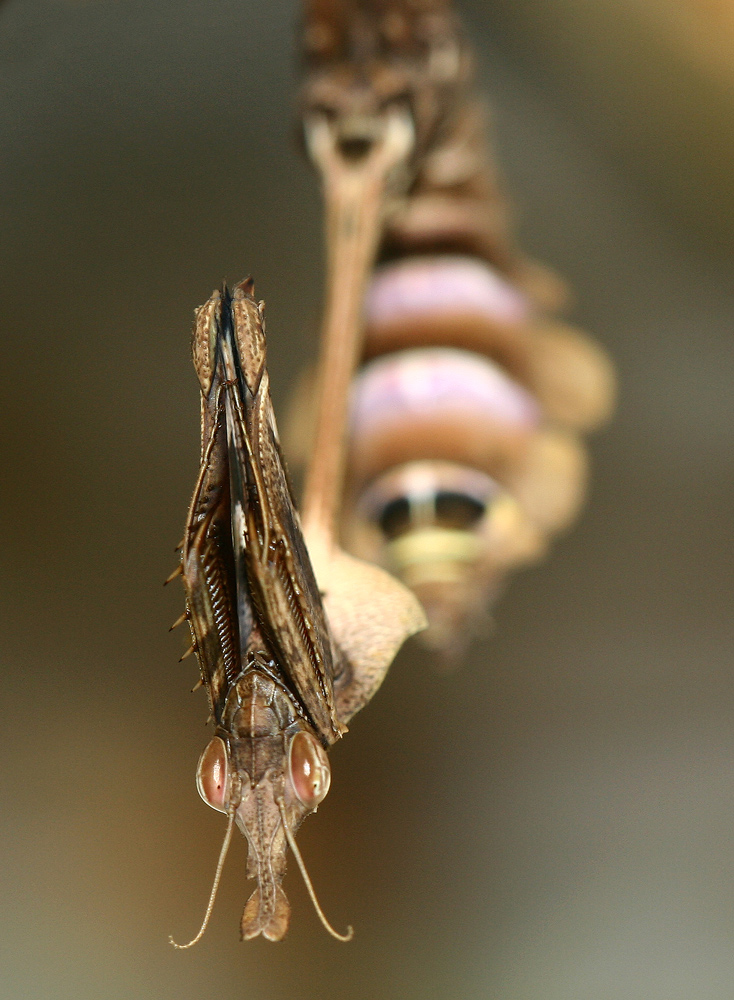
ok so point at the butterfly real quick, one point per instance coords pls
(285, 663)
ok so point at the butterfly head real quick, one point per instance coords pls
(268, 771)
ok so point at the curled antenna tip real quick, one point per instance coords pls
(301, 864)
(215, 886)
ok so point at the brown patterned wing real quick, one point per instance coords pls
(267, 536)
(207, 561)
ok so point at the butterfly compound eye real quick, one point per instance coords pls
(212, 774)
(309, 769)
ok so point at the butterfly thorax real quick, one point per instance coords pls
(260, 718)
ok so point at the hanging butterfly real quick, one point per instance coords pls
(285, 664)
(468, 404)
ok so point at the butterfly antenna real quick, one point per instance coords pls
(215, 886)
(297, 855)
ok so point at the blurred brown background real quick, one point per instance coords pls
(555, 822)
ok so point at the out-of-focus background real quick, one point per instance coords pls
(557, 820)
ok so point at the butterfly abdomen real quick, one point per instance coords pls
(466, 450)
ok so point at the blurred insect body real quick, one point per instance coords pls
(465, 452)
(282, 678)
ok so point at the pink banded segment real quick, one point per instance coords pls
(438, 403)
(450, 284)
(438, 380)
